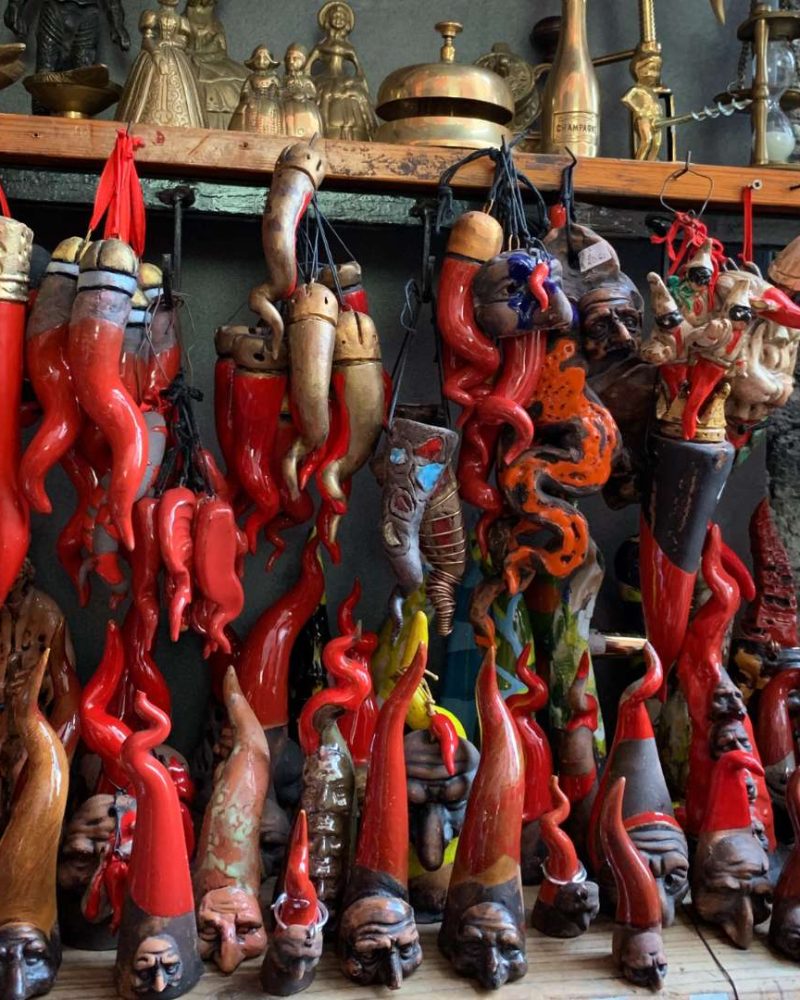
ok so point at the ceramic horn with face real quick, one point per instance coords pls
(378, 938)
(30, 947)
(157, 956)
(646, 805)
(227, 875)
(483, 931)
(784, 928)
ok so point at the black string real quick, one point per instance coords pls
(409, 320)
(183, 464)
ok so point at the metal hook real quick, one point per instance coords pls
(676, 175)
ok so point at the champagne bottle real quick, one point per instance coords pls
(571, 101)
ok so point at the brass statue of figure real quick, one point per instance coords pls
(344, 102)
(220, 77)
(161, 88)
(259, 108)
(301, 116)
(644, 100)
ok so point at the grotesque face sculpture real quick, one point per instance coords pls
(328, 789)
(767, 380)
(729, 735)
(572, 908)
(437, 801)
(157, 965)
(28, 961)
(730, 884)
(726, 702)
(379, 941)
(86, 841)
(489, 946)
(294, 953)
(230, 927)
(640, 956)
(611, 319)
(784, 929)
(517, 292)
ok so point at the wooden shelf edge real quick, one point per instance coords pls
(378, 167)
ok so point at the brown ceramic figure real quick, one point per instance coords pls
(775, 731)
(637, 946)
(378, 938)
(30, 946)
(227, 875)
(730, 882)
(157, 956)
(784, 928)
(295, 946)
(483, 931)
(567, 902)
(646, 807)
(437, 803)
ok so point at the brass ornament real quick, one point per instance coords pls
(11, 65)
(259, 108)
(220, 77)
(74, 93)
(17, 242)
(523, 82)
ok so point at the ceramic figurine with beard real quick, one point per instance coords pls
(227, 875)
(157, 956)
(784, 928)
(637, 946)
(378, 938)
(437, 803)
(483, 930)
(730, 870)
(295, 946)
(30, 946)
(567, 902)
(646, 807)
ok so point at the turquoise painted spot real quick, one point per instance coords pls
(428, 475)
(397, 456)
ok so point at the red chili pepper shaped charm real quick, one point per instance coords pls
(298, 174)
(218, 546)
(475, 238)
(145, 568)
(347, 282)
(16, 241)
(224, 373)
(175, 520)
(535, 745)
(47, 368)
(102, 732)
(358, 728)
(294, 510)
(162, 360)
(141, 671)
(264, 670)
(69, 546)
(105, 286)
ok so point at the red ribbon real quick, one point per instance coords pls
(747, 224)
(119, 194)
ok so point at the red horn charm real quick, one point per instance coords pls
(637, 946)
(784, 928)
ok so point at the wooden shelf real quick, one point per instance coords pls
(580, 969)
(62, 143)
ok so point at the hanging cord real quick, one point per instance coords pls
(185, 456)
(409, 320)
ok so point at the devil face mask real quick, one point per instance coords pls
(230, 927)
(518, 292)
(157, 967)
(379, 941)
(86, 842)
(767, 380)
(490, 946)
(293, 955)
(328, 790)
(29, 961)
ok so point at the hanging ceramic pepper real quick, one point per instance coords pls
(567, 902)
(377, 892)
(158, 948)
(30, 946)
(16, 241)
(647, 806)
(784, 927)
(638, 948)
(227, 873)
(295, 946)
(483, 930)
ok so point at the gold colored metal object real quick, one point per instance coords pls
(74, 93)
(220, 77)
(299, 98)
(259, 108)
(571, 101)
(11, 66)
(763, 26)
(162, 88)
(16, 240)
(344, 103)
(718, 6)
(648, 98)
(523, 82)
(445, 103)
(711, 424)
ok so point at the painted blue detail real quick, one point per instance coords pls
(397, 456)
(428, 475)
(520, 267)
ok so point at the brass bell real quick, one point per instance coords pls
(445, 103)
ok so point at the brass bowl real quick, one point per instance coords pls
(81, 93)
(11, 66)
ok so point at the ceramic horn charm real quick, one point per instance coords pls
(298, 174)
(157, 954)
(784, 928)
(378, 938)
(567, 902)
(295, 947)
(637, 946)
(227, 876)
(30, 946)
(483, 931)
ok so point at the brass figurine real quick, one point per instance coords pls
(343, 98)
(301, 114)
(644, 98)
(161, 88)
(259, 107)
(220, 77)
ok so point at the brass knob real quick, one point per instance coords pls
(448, 30)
